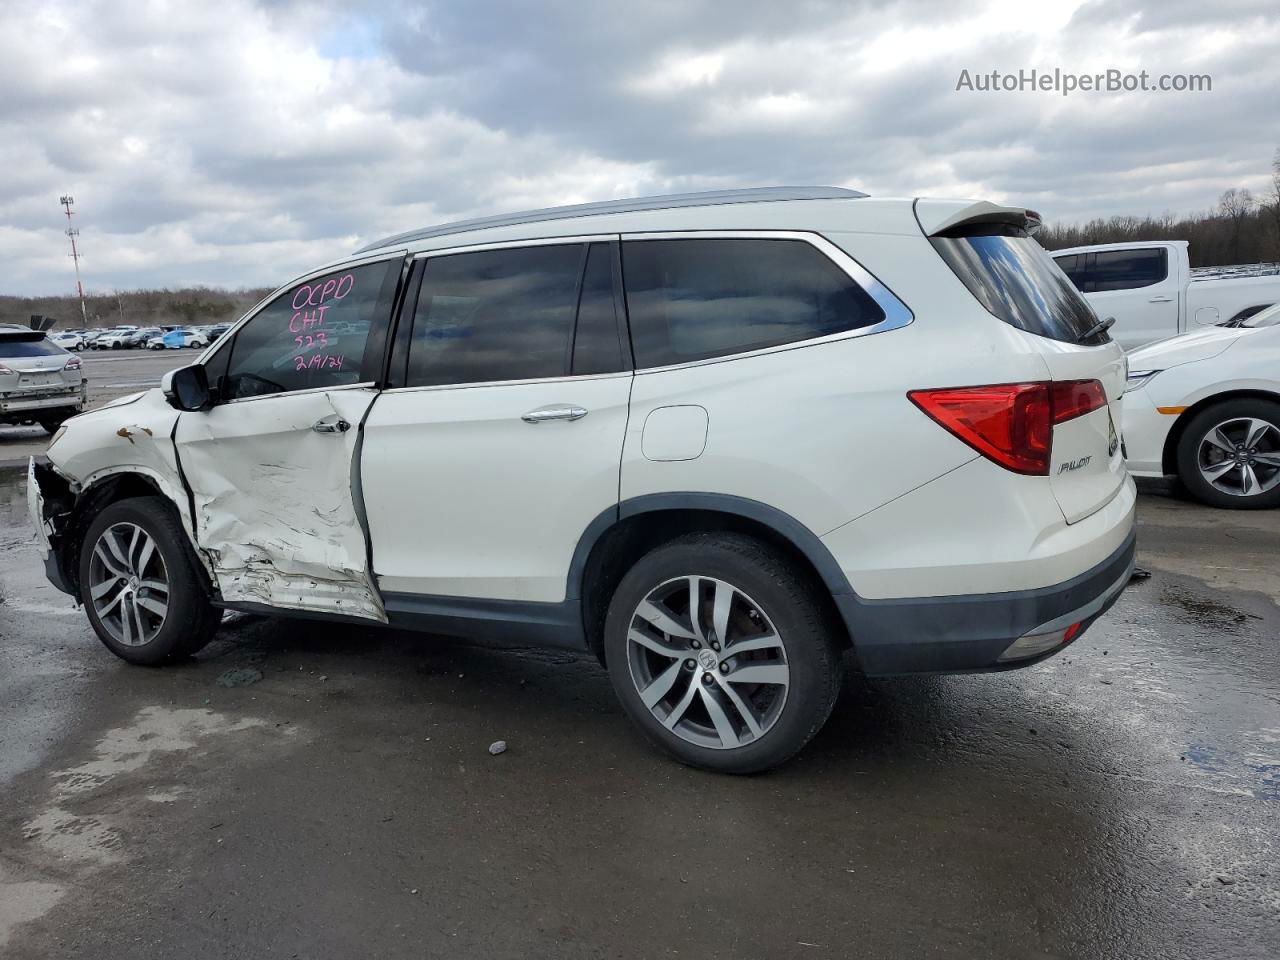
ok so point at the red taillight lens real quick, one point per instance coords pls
(1007, 422)
(1075, 398)
(72, 364)
(1011, 423)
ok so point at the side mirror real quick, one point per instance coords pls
(187, 388)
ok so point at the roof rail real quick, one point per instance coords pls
(706, 198)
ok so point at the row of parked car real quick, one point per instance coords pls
(127, 337)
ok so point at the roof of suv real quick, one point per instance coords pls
(704, 199)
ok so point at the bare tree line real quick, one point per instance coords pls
(143, 308)
(1243, 228)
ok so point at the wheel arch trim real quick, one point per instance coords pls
(784, 525)
(93, 484)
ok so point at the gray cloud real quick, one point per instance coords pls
(240, 142)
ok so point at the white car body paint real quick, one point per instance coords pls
(467, 499)
(463, 498)
(1193, 368)
(675, 433)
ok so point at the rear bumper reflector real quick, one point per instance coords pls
(1034, 644)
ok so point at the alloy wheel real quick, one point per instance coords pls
(1241, 456)
(707, 662)
(128, 584)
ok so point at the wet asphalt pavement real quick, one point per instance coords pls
(1120, 800)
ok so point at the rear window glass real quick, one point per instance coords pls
(28, 348)
(1018, 282)
(695, 299)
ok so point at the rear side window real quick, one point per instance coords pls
(314, 335)
(22, 347)
(695, 299)
(1126, 269)
(495, 315)
(1018, 282)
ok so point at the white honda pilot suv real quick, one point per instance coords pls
(727, 442)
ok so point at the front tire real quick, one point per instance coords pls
(51, 424)
(1229, 454)
(721, 653)
(140, 585)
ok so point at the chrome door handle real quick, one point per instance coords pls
(1160, 300)
(558, 412)
(331, 425)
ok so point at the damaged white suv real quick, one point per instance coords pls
(727, 442)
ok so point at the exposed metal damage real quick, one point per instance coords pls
(266, 529)
(275, 511)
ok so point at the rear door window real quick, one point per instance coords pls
(1127, 269)
(597, 340)
(696, 299)
(1018, 282)
(1073, 265)
(496, 315)
(1115, 269)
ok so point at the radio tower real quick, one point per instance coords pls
(67, 200)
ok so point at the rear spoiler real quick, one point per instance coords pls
(13, 334)
(938, 217)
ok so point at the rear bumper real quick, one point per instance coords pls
(969, 633)
(21, 403)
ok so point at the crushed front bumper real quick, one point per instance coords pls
(48, 519)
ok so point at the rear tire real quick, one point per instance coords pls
(150, 605)
(1229, 454)
(677, 682)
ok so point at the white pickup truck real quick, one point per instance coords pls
(1152, 291)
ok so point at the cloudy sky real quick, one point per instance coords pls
(240, 142)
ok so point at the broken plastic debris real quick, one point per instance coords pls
(497, 747)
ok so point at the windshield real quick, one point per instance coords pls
(1270, 317)
(1018, 282)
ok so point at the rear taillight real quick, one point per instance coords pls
(72, 364)
(1075, 398)
(4, 369)
(1011, 423)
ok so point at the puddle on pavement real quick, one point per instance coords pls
(1202, 611)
